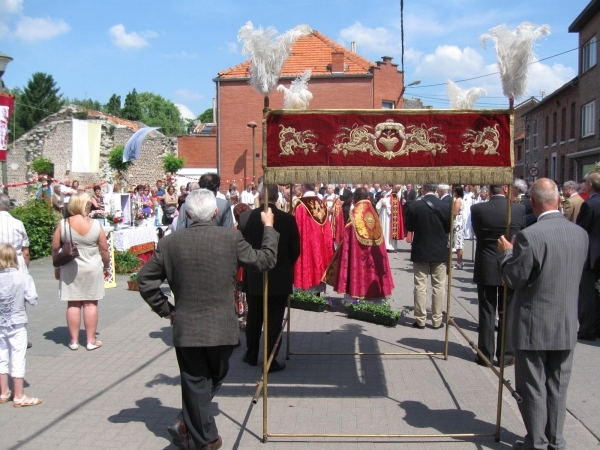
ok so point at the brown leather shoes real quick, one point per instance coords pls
(215, 445)
(179, 433)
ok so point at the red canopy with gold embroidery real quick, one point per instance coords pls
(372, 145)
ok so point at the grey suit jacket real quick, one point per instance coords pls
(200, 264)
(224, 216)
(544, 268)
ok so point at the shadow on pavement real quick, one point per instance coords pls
(437, 345)
(419, 415)
(165, 333)
(161, 378)
(61, 335)
(149, 411)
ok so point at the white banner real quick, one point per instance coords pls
(85, 156)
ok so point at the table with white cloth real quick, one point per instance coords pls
(140, 241)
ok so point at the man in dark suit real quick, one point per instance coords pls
(443, 192)
(212, 182)
(204, 319)
(428, 222)
(280, 279)
(543, 268)
(489, 223)
(408, 196)
(589, 220)
(345, 195)
(519, 193)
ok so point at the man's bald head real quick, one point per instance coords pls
(544, 196)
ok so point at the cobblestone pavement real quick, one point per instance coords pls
(126, 393)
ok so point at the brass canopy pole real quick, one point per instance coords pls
(382, 436)
(503, 325)
(449, 271)
(265, 292)
(289, 315)
(271, 358)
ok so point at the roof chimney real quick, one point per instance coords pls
(353, 46)
(337, 62)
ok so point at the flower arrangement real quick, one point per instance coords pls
(98, 214)
(115, 217)
(381, 309)
(140, 215)
(307, 296)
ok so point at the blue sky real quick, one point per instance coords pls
(175, 49)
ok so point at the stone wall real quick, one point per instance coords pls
(52, 139)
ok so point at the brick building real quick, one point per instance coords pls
(587, 24)
(561, 131)
(52, 138)
(340, 79)
(520, 169)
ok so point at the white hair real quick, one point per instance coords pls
(521, 185)
(444, 187)
(201, 205)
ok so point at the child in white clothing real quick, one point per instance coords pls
(16, 287)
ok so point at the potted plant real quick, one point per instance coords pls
(381, 314)
(172, 164)
(115, 219)
(308, 301)
(116, 163)
(132, 283)
(126, 262)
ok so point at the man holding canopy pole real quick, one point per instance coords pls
(545, 313)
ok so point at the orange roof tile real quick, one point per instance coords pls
(313, 52)
(114, 119)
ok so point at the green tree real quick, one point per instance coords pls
(113, 106)
(86, 103)
(160, 112)
(132, 110)
(40, 98)
(206, 116)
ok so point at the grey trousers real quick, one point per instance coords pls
(542, 379)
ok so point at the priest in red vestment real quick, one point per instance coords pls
(316, 242)
(335, 214)
(360, 267)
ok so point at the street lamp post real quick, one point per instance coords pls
(4, 60)
(412, 83)
(253, 126)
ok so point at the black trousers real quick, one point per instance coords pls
(588, 305)
(254, 323)
(491, 300)
(202, 372)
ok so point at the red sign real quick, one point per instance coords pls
(7, 103)
(449, 144)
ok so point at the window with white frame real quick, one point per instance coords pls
(588, 55)
(387, 104)
(588, 117)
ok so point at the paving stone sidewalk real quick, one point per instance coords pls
(126, 393)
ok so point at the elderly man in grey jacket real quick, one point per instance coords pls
(205, 325)
(545, 314)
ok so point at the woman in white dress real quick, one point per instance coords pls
(82, 279)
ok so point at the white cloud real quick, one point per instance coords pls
(8, 7)
(416, 26)
(232, 47)
(186, 113)
(370, 39)
(130, 41)
(412, 55)
(451, 62)
(188, 94)
(31, 29)
(181, 55)
(548, 78)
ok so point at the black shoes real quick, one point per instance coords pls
(179, 433)
(276, 366)
(416, 325)
(586, 337)
(479, 361)
(247, 361)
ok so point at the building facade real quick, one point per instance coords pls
(341, 79)
(561, 136)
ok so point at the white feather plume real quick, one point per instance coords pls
(297, 96)
(463, 98)
(514, 50)
(267, 53)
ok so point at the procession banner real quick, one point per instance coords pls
(418, 146)
(7, 103)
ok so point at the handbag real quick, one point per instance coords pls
(67, 252)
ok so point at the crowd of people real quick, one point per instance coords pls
(311, 236)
